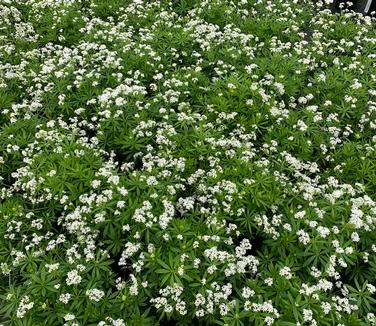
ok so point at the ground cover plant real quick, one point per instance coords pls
(186, 163)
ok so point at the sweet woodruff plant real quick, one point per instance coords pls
(187, 163)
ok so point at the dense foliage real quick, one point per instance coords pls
(186, 162)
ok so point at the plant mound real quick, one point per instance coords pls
(186, 163)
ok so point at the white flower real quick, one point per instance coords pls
(355, 237)
(64, 298)
(247, 292)
(371, 288)
(95, 294)
(268, 320)
(114, 179)
(52, 267)
(96, 183)
(73, 277)
(69, 317)
(268, 281)
(307, 314)
(286, 272)
(24, 306)
(303, 237)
